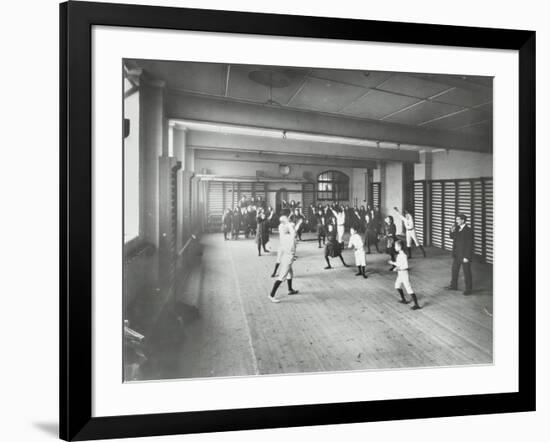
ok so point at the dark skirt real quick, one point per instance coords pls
(262, 233)
(333, 249)
(371, 236)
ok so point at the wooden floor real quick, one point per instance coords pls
(337, 322)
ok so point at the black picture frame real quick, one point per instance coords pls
(76, 21)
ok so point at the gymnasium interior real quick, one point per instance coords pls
(198, 137)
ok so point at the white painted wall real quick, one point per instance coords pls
(358, 187)
(456, 164)
(297, 171)
(393, 191)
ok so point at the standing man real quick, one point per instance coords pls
(410, 232)
(287, 250)
(463, 249)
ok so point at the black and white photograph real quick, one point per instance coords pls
(282, 220)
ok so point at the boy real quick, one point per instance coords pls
(410, 232)
(356, 243)
(287, 249)
(283, 221)
(401, 265)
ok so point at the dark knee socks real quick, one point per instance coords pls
(415, 300)
(276, 268)
(403, 300)
(289, 283)
(276, 285)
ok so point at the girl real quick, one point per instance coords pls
(226, 223)
(341, 219)
(390, 237)
(333, 249)
(401, 266)
(262, 232)
(236, 223)
(287, 255)
(371, 235)
(297, 218)
(356, 242)
(321, 222)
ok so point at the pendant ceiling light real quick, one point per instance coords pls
(271, 79)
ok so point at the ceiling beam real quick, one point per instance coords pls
(227, 76)
(192, 107)
(225, 155)
(306, 151)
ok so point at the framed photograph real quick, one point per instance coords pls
(272, 221)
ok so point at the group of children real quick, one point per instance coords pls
(330, 222)
(244, 218)
(399, 251)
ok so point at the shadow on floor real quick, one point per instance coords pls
(49, 428)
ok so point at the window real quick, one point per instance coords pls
(131, 162)
(332, 186)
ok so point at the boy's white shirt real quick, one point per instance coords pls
(355, 241)
(401, 261)
(287, 238)
(408, 220)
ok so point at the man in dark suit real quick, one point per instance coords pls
(463, 249)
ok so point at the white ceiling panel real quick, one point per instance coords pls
(423, 112)
(325, 95)
(366, 79)
(413, 86)
(465, 97)
(377, 104)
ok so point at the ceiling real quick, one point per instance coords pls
(432, 101)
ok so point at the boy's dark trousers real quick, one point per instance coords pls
(466, 266)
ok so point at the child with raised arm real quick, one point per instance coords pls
(410, 232)
(401, 266)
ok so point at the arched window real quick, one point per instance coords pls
(332, 186)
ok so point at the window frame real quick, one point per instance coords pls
(339, 183)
